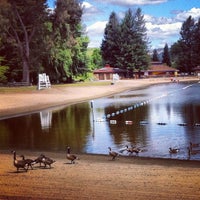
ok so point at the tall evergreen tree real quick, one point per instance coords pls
(185, 52)
(166, 56)
(110, 45)
(186, 41)
(125, 42)
(155, 55)
(196, 45)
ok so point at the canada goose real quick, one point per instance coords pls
(19, 163)
(194, 145)
(39, 159)
(47, 161)
(29, 162)
(113, 154)
(133, 150)
(192, 152)
(70, 156)
(173, 150)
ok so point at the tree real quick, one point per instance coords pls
(96, 59)
(196, 44)
(125, 45)
(185, 52)
(110, 46)
(155, 55)
(23, 19)
(166, 56)
(3, 70)
(67, 56)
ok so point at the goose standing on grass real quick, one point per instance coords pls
(29, 162)
(70, 156)
(19, 163)
(173, 150)
(113, 154)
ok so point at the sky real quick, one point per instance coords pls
(163, 18)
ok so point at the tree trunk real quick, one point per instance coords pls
(25, 77)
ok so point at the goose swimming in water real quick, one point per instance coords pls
(173, 150)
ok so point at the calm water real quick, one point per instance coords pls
(153, 119)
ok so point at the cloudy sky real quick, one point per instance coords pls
(163, 18)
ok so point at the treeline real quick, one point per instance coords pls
(185, 53)
(35, 39)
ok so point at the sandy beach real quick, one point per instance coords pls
(92, 176)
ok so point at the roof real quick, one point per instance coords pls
(160, 68)
(196, 68)
(108, 69)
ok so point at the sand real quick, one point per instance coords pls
(92, 176)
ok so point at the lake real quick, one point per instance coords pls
(152, 119)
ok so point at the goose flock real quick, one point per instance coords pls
(44, 161)
(24, 164)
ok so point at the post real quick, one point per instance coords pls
(92, 107)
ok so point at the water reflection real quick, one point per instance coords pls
(45, 119)
(153, 119)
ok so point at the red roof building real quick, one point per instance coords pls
(107, 73)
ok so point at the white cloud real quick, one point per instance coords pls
(194, 12)
(132, 2)
(95, 32)
(160, 30)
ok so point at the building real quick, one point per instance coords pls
(157, 69)
(108, 73)
(196, 71)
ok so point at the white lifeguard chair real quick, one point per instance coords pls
(43, 81)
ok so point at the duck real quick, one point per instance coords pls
(19, 163)
(47, 161)
(173, 150)
(113, 154)
(70, 156)
(29, 162)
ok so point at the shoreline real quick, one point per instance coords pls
(98, 177)
(17, 104)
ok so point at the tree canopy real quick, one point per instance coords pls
(36, 39)
(166, 56)
(185, 52)
(125, 42)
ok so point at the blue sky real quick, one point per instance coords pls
(163, 18)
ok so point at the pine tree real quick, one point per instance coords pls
(125, 42)
(196, 45)
(155, 55)
(166, 56)
(186, 41)
(110, 48)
